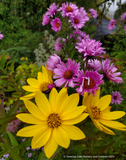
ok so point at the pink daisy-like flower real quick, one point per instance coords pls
(88, 81)
(90, 47)
(125, 28)
(1, 36)
(52, 9)
(46, 20)
(116, 98)
(93, 13)
(53, 61)
(56, 24)
(95, 64)
(66, 73)
(112, 24)
(81, 34)
(123, 16)
(58, 45)
(109, 70)
(67, 9)
(29, 154)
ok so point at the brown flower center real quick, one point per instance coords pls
(89, 83)
(69, 9)
(115, 97)
(76, 20)
(53, 120)
(57, 24)
(96, 112)
(110, 71)
(68, 74)
(43, 87)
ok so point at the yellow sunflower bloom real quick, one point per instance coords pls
(99, 112)
(53, 120)
(44, 79)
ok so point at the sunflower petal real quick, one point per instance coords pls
(52, 98)
(104, 102)
(51, 146)
(106, 130)
(94, 99)
(85, 99)
(27, 97)
(97, 124)
(29, 88)
(61, 137)
(112, 115)
(41, 138)
(73, 132)
(30, 131)
(41, 77)
(33, 82)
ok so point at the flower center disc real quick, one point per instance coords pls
(57, 24)
(115, 97)
(110, 71)
(43, 86)
(69, 9)
(96, 112)
(54, 120)
(76, 21)
(68, 74)
(89, 84)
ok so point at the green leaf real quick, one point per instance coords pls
(13, 140)
(7, 119)
(42, 156)
(2, 110)
(2, 61)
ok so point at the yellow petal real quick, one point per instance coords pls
(107, 109)
(29, 88)
(33, 82)
(97, 124)
(27, 97)
(61, 137)
(106, 130)
(76, 120)
(34, 110)
(113, 124)
(70, 102)
(52, 98)
(41, 138)
(41, 77)
(72, 113)
(85, 100)
(90, 113)
(44, 70)
(30, 131)
(94, 99)
(104, 102)
(51, 146)
(73, 132)
(112, 115)
(29, 118)
(43, 103)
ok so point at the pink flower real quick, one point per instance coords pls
(88, 81)
(56, 24)
(53, 61)
(95, 64)
(29, 154)
(81, 34)
(116, 98)
(90, 47)
(52, 9)
(112, 24)
(125, 28)
(93, 13)
(67, 9)
(123, 16)
(66, 73)
(58, 45)
(13, 126)
(46, 20)
(109, 71)
(1, 36)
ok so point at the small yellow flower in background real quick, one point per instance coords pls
(44, 79)
(99, 112)
(53, 120)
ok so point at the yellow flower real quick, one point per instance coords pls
(53, 120)
(99, 112)
(44, 79)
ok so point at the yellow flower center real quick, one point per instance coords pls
(57, 24)
(96, 112)
(76, 20)
(54, 120)
(43, 87)
(68, 74)
(69, 9)
(89, 83)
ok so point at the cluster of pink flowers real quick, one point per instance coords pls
(93, 13)
(112, 24)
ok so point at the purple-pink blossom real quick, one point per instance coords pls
(1, 36)
(45, 20)
(52, 9)
(88, 81)
(56, 24)
(94, 64)
(59, 44)
(93, 13)
(65, 73)
(123, 16)
(112, 24)
(116, 98)
(109, 71)
(13, 126)
(29, 154)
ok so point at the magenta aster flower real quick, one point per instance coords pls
(66, 73)
(56, 24)
(53, 61)
(1, 36)
(93, 13)
(46, 20)
(112, 24)
(52, 9)
(116, 98)
(29, 154)
(67, 9)
(88, 81)
(95, 64)
(109, 70)
(123, 16)
(59, 45)
(81, 34)
(90, 47)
